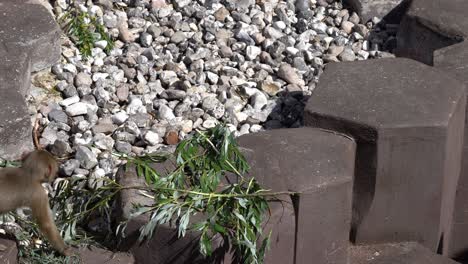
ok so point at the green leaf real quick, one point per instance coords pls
(239, 216)
(220, 229)
(184, 220)
(242, 202)
(200, 226)
(205, 245)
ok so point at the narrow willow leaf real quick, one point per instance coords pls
(242, 202)
(184, 221)
(220, 229)
(239, 216)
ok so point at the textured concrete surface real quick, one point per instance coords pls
(408, 121)
(8, 251)
(29, 41)
(398, 253)
(367, 9)
(453, 60)
(15, 122)
(31, 27)
(319, 229)
(320, 165)
(94, 255)
(430, 25)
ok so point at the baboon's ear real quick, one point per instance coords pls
(49, 177)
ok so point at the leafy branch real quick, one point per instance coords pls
(208, 179)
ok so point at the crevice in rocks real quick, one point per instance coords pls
(440, 246)
(365, 164)
(295, 202)
(364, 184)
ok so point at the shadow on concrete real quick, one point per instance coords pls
(462, 257)
(289, 111)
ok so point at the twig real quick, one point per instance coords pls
(264, 193)
(35, 137)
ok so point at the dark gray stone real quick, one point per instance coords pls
(38, 34)
(15, 122)
(453, 59)
(87, 158)
(60, 148)
(430, 25)
(124, 147)
(398, 253)
(58, 116)
(408, 121)
(105, 126)
(69, 166)
(241, 5)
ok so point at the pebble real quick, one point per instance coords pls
(60, 148)
(86, 157)
(252, 52)
(104, 126)
(168, 77)
(270, 87)
(119, 118)
(152, 138)
(69, 101)
(259, 100)
(76, 109)
(347, 27)
(347, 55)
(287, 73)
(178, 37)
(182, 65)
(146, 39)
(171, 138)
(103, 142)
(69, 167)
(165, 113)
(58, 116)
(213, 106)
(123, 147)
(95, 179)
(83, 79)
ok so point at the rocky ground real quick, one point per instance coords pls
(185, 65)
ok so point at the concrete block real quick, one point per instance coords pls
(430, 25)
(453, 60)
(8, 251)
(166, 247)
(408, 121)
(94, 255)
(15, 127)
(397, 253)
(31, 27)
(316, 227)
(319, 164)
(390, 10)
